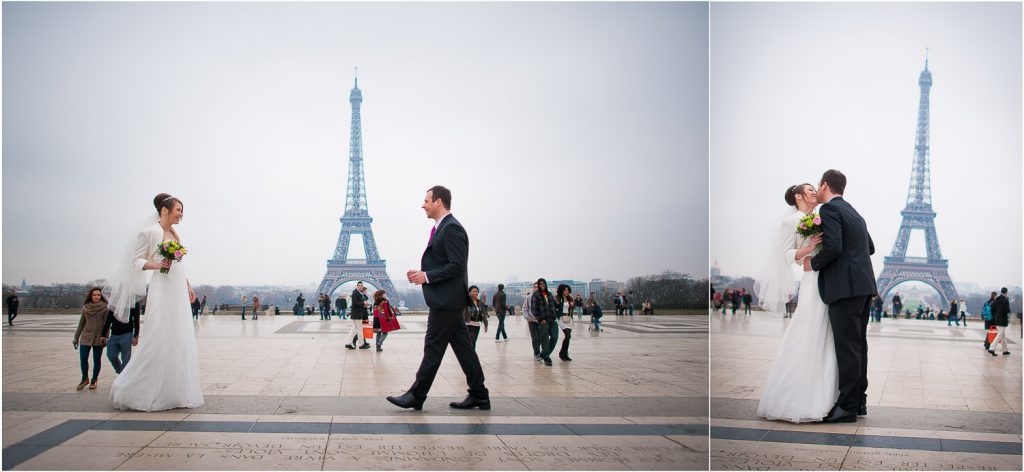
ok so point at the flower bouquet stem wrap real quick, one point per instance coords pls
(171, 251)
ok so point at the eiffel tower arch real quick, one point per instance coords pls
(932, 270)
(356, 220)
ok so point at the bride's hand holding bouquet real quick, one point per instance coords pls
(171, 251)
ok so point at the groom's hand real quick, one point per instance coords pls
(417, 277)
(807, 264)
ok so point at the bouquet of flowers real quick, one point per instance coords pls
(809, 225)
(172, 251)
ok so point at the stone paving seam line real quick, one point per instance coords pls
(688, 448)
(869, 441)
(503, 443)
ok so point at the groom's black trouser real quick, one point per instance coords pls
(444, 328)
(849, 319)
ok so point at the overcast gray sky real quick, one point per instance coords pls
(803, 87)
(530, 113)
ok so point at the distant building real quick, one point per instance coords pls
(522, 289)
(716, 273)
(578, 287)
(598, 286)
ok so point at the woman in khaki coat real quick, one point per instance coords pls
(89, 336)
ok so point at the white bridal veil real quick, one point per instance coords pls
(126, 284)
(777, 280)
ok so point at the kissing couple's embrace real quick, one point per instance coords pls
(820, 371)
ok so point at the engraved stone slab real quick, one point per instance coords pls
(764, 455)
(861, 458)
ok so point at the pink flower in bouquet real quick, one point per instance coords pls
(802, 226)
(817, 220)
(177, 254)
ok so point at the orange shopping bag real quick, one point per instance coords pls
(367, 330)
(993, 331)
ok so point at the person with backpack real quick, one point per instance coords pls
(986, 316)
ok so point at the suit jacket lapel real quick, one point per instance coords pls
(440, 227)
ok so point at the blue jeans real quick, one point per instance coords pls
(83, 356)
(501, 327)
(548, 337)
(119, 345)
(343, 316)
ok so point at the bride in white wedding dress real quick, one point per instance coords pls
(163, 372)
(803, 384)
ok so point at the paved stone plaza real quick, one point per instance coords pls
(283, 393)
(936, 401)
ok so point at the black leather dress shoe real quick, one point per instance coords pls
(839, 415)
(862, 411)
(407, 400)
(472, 402)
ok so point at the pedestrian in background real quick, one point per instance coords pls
(545, 309)
(474, 314)
(89, 336)
(986, 316)
(342, 306)
(384, 320)
(566, 303)
(120, 337)
(12, 307)
(532, 324)
(359, 313)
(1000, 319)
(500, 306)
(595, 316)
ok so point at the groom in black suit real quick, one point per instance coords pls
(846, 282)
(445, 289)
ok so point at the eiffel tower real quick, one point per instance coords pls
(918, 214)
(356, 220)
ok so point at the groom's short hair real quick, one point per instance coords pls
(836, 181)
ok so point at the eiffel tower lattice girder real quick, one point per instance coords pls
(932, 270)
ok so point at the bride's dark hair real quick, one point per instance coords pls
(791, 193)
(165, 200)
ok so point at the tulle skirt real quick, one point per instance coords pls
(804, 383)
(163, 372)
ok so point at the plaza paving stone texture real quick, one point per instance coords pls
(936, 401)
(283, 393)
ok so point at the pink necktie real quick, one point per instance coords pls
(432, 229)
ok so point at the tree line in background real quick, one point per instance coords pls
(665, 290)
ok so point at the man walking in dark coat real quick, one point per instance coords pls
(446, 291)
(1000, 319)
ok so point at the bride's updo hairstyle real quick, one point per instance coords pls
(792, 192)
(165, 200)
